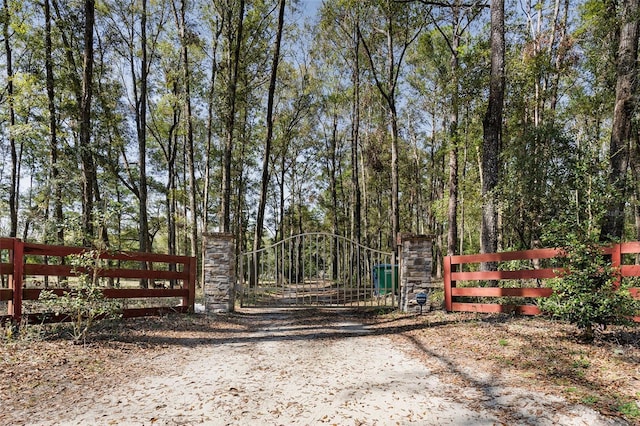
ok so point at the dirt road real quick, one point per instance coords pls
(293, 368)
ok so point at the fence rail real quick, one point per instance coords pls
(536, 272)
(26, 269)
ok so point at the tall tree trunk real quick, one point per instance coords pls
(141, 127)
(391, 100)
(492, 135)
(15, 185)
(141, 131)
(280, 234)
(209, 149)
(210, 120)
(452, 210)
(333, 186)
(233, 67)
(262, 204)
(395, 179)
(239, 221)
(103, 234)
(635, 162)
(624, 109)
(257, 241)
(355, 138)
(388, 89)
(86, 151)
(172, 205)
(56, 185)
(188, 119)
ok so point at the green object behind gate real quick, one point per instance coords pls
(383, 281)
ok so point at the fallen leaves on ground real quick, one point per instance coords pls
(41, 366)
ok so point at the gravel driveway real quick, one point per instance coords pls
(291, 368)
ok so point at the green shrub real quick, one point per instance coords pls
(85, 304)
(587, 293)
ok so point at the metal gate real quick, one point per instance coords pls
(318, 269)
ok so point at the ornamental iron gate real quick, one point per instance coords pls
(317, 269)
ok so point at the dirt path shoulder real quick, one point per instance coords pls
(276, 368)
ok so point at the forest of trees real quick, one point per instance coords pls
(492, 125)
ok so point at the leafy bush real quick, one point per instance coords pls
(85, 304)
(587, 292)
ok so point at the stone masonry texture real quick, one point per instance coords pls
(415, 269)
(219, 272)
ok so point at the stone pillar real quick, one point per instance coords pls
(415, 270)
(219, 272)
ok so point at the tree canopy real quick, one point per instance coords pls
(140, 124)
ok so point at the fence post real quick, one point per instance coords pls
(447, 284)
(16, 282)
(190, 300)
(616, 262)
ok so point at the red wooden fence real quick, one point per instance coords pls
(27, 260)
(453, 272)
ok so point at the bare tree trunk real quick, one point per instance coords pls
(86, 151)
(391, 100)
(141, 130)
(15, 185)
(387, 87)
(355, 139)
(172, 207)
(281, 202)
(210, 118)
(492, 125)
(209, 148)
(624, 110)
(395, 185)
(81, 89)
(141, 127)
(188, 119)
(635, 161)
(333, 186)
(257, 241)
(452, 210)
(333, 143)
(53, 127)
(233, 66)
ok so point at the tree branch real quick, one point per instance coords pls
(444, 4)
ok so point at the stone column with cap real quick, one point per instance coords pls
(219, 272)
(415, 269)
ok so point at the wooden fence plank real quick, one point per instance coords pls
(6, 243)
(6, 294)
(631, 247)
(451, 277)
(501, 292)
(70, 271)
(506, 256)
(504, 275)
(115, 293)
(490, 308)
(139, 293)
(6, 268)
(630, 270)
(61, 251)
(18, 251)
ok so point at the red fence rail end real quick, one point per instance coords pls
(181, 269)
(454, 272)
